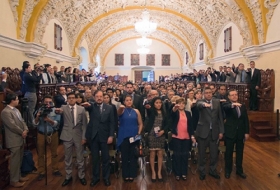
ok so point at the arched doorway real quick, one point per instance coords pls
(143, 73)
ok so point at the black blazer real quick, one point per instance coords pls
(101, 123)
(255, 80)
(59, 100)
(175, 119)
(234, 126)
(149, 123)
(138, 104)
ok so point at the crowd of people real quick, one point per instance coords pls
(96, 114)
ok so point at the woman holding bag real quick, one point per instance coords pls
(157, 127)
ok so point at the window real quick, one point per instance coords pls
(187, 58)
(57, 37)
(201, 51)
(227, 40)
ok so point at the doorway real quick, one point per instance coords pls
(146, 74)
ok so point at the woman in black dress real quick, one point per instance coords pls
(157, 127)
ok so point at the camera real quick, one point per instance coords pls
(45, 110)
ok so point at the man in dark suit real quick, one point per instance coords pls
(210, 129)
(60, 98)
(236, 132)
(99, 134)
(15, 134)
(221, 76)
(255, 82)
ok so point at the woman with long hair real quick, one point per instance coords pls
(182, 135)
(157, 127)
(130, 126)
(80, 99)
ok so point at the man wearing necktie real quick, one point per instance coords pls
(46, 76)
(73, 135)
(255, 82)
(100, 133)
(15, 134)
(209, 131)
(236, 132)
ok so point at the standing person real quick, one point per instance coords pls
(182, 135)
(236, 132)
(157, 127)
(209, 131)
(107, 100)
(30, 81)
(255, 83)
(73, 135)
(130, 126)
(15, 134)
(100, 133)
(52, 120)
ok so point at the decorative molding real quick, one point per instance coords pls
(249, 53)
(34, 50)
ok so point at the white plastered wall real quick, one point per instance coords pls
(273, 32)
(7, 23)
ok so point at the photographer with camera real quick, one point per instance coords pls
(47, 118)
(31, 79)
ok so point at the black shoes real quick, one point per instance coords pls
(66, 181)
(227, 175)
(202, 177)
(83, 181)
(94, 182)
(107, 182)
(242, 175)
(214, 175)
(40, 177)
(57, 173)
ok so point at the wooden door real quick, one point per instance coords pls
(137, 76)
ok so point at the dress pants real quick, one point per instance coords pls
(253, 97)
(32, 101)
(213, 146)
(129, 159)
(68, 150)
(180, 156)
(229, 153)
(95, 146)
(15, 163)
(41, 151)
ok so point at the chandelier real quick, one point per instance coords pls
(143, 50)
(143, 42)
(145, 27)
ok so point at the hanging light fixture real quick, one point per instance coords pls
(143, 50)
(145, 27)
(143, 42)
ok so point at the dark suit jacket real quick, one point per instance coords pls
(255, 80)
(210, 117)
(234, 126)
(103, 123)
(59, 100)
(175, 119)
(138, 104)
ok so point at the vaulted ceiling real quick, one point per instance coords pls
(181, 23)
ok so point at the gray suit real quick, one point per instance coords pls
(241, 75)
(72, 135)
(14, 127)
(210, 124)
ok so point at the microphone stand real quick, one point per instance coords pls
(45, 139)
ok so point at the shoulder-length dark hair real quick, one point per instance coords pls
(110, 101)
(153, 109)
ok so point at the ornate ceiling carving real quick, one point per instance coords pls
(191, 20)
(162, 36)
